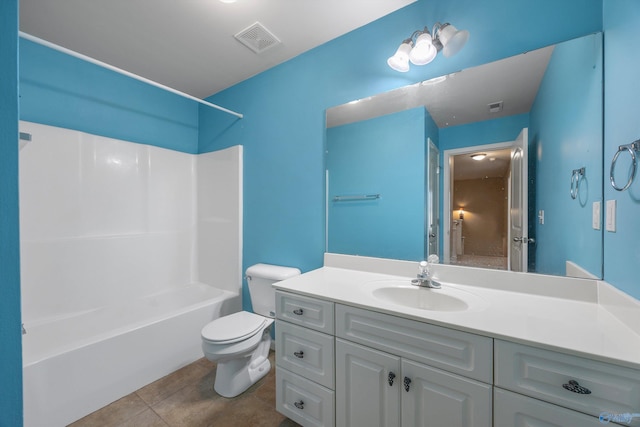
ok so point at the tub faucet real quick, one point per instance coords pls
(425, 273)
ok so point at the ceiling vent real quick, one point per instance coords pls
(495, 107)
(257, 38)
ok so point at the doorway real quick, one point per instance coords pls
(477, 196)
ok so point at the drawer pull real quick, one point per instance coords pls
(299, 404)
(407, 381)
(299, 354)
(298, 311)
(574, 387)
(392, 376)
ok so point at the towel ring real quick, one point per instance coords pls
(576, 175)
(631, 149)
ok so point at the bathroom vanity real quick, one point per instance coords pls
(357, 345)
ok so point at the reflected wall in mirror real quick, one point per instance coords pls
(383, 183)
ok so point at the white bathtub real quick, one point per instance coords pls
(78, 363)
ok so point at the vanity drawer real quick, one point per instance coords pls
(515, 410)
(454, 351)
(542, 374)
(305, 352)
(305, 311)
(304, 401)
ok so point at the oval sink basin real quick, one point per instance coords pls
(422, 298)
(401, 293)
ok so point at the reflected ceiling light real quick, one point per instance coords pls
(423, 46)
(478, 156)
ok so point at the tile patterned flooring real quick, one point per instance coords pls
(186, 398)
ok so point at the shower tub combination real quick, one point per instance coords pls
(77, 364)
(127, 251)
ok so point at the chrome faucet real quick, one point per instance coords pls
(425, 274)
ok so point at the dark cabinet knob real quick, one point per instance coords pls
(407, 382)
(298, 311)
(299, 404)
(391, 377)
(299, 354)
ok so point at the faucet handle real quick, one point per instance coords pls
(423, 269)
(433, 259)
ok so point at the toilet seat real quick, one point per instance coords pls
(233, 328)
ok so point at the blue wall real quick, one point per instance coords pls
(622, 126)
(59, 90)
(384, 155)
(567, 113)
(10, 335)
(283, 129)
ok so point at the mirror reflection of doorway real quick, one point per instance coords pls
(479, 229)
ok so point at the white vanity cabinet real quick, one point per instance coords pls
(381, 384)
(305, 359)
(347, 366)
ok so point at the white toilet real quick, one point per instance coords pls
(240, 342)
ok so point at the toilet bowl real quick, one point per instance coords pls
(240, 342)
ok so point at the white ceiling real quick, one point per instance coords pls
(189, 45)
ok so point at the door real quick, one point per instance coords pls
(367, 387)
(436, 398)
(518, 204)
(433, 190)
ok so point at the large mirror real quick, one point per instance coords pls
(496, 166)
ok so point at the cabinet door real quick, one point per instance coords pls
(368, 384)
(436, 398)
(515, 410)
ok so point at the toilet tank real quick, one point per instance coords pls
(260, 277)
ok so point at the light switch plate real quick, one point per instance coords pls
(596, 215)
(611, 216)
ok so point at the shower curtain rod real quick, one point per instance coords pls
(123, 72)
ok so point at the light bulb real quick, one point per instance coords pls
(452, 40)
(424, 51)
(400, 60)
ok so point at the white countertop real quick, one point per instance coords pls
(581, 326)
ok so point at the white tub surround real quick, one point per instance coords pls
(577, 316)
(121, 243)
(557, 350)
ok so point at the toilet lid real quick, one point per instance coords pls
(234, 327)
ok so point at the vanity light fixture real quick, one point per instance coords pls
(461, 213)
(478, 156)
(423, 46)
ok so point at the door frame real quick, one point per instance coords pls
(447, 207)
